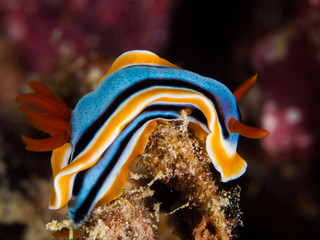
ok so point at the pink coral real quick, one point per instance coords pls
(288, 61)
(43, 30)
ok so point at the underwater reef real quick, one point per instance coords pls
(69, 45)
(170, 194)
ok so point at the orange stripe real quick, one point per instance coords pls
(198, 130)
(59, 159)
(136, 57)
(230, 166)
(118, 184)
(138, 102)
(81, 162)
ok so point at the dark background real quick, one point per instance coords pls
(68, 45)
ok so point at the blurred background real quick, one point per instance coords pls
(70, 44)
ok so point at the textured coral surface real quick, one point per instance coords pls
(173, 178)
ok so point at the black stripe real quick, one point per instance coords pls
(89, 133)
(196, 113)
(82, 211)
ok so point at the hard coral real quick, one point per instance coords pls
(126, 218)
(181, 188)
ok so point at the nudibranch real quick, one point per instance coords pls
(94, 144)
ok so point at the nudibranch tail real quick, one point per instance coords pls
(48, 113)
(245, 87)
(236, 126)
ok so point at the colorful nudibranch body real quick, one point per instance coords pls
(110, 127)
